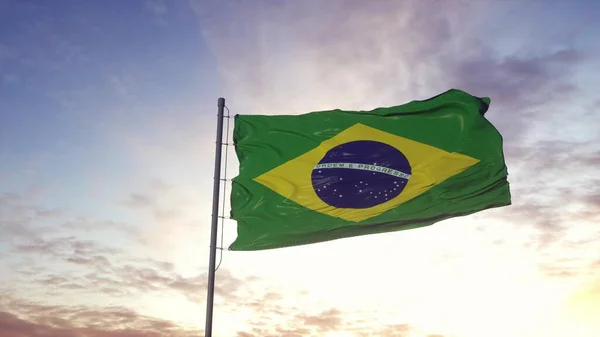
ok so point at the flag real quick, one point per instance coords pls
(334, 174)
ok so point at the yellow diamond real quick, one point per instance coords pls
(430, 166)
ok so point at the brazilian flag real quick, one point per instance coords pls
(334, 174)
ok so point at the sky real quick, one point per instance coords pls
(107, 136)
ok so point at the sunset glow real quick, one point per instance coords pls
(107, 130)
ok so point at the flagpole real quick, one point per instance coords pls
(215, 220)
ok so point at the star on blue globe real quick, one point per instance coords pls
(360, 174)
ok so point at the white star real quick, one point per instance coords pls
(340, 195)
(341, 178)
(359, 191)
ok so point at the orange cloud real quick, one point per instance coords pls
(42, 322)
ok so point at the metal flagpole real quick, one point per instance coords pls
(215, 220)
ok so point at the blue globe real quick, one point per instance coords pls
(360, 174)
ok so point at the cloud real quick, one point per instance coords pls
(300, 325)
(327, 320)
(137, 200)
(351, 51)
(524, 89)
(55, 254)
(101, 269)
(296, 329)
(592, 198)
(90, 225)
(362, 54)
(516, 80)
(547, 195)
(274, 315)
(54, 321)
(165, 218)
(21, 218)
(175, 217)
(82, 268)
(97, 269)
(26, 222)
(64, 247)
